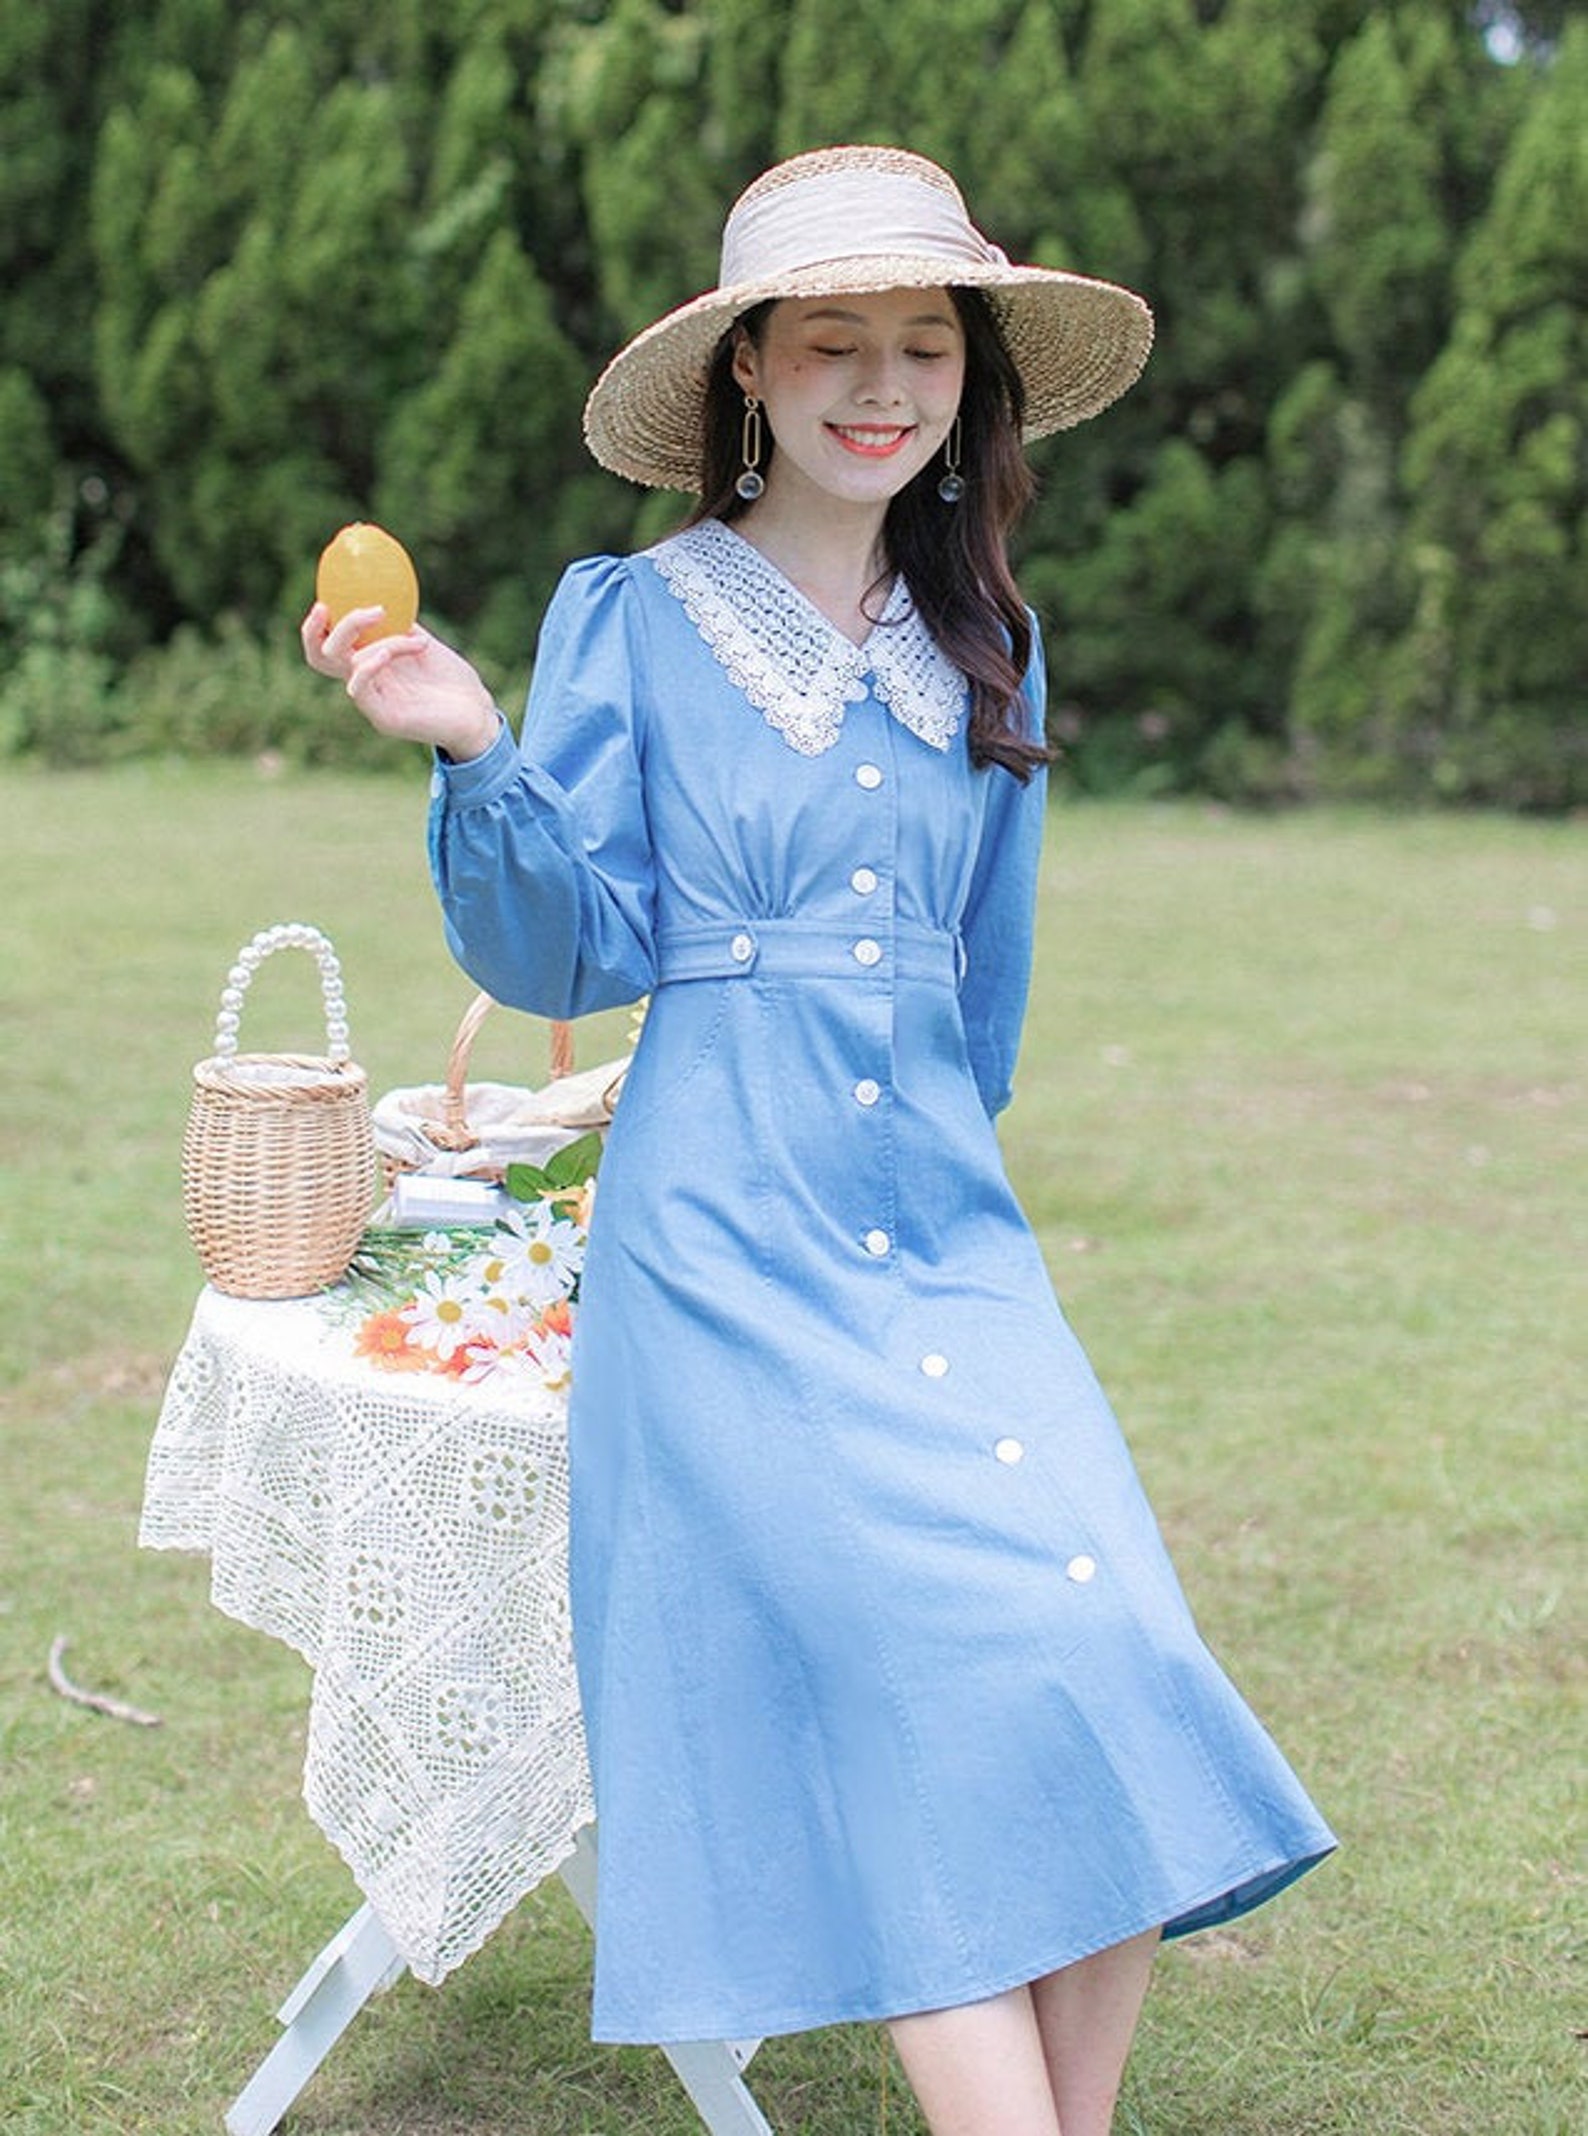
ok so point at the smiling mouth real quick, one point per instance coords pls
(871, 442)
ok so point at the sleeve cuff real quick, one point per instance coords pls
(482, 778)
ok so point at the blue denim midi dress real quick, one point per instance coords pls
(892, 1696)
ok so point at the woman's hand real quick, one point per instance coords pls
(413, 687)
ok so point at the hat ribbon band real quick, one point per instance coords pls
(839, 215)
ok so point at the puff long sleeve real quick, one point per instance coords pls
(1000, 911)
(541, 853)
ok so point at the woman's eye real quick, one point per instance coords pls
(834, 352)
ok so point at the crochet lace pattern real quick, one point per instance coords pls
(795, 666)
(408, 1536)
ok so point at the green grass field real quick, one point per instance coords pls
(1301, 1121)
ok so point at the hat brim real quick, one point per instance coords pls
(1078, 344)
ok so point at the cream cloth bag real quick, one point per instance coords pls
(463, 1130)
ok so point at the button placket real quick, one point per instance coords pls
(867, 951)
(873, 811)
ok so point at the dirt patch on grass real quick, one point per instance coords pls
(1223, 1946)
(137, 1376)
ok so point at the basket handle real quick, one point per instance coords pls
(292, 934)
(454, 1131)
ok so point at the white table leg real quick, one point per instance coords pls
(359, 1959)
(711, 2071)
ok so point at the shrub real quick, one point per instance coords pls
(234, 694)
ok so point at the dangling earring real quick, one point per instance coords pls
(951, 485)
(751, 481)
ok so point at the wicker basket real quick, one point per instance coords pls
(278, 1161)
(463, 1130)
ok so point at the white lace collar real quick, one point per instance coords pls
(797, 668)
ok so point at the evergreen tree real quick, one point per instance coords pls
(629, 90)
(1381, 249)
(853, 71)
(259, 313)
(1154, 623)
(480, 465)
(27, 453)
(1492, 665)
(276, 266)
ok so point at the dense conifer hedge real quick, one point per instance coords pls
(273, 266)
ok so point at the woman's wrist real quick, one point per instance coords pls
(475, 740)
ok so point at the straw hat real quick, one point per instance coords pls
(842, 221)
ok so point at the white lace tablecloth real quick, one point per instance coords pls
(408, 1536)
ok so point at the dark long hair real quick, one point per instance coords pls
(954, 557)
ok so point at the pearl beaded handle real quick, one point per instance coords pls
(291, 934)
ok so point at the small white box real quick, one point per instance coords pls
(419, 1203)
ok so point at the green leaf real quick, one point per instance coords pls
(575, 1162)
(526, 1182)
(565, 1169)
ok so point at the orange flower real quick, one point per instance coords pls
(383, 1340)
(558, 1317)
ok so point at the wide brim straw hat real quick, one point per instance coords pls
(848, 221)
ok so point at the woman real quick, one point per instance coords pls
(895, 1708)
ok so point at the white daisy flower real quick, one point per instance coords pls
(541, 1253)
(444, 1314)
(551, 1355)
(501, 1317)
(487, 1362)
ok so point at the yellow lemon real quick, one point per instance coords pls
(365, 567)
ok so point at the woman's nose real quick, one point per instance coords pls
(881, 383)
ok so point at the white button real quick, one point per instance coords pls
(934, 1364)
(742, 948)
(863, 881)
(1081, 1568)
(1009, 1451)
(866, 951)
(867, 1091)
(877, 1242)
(869, 776)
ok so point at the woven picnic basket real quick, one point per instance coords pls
(462, 1130)
(278, 1159)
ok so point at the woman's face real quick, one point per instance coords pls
(858, 391)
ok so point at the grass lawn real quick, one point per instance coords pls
(1302, 1121)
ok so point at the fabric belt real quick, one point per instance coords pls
(797, 949)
